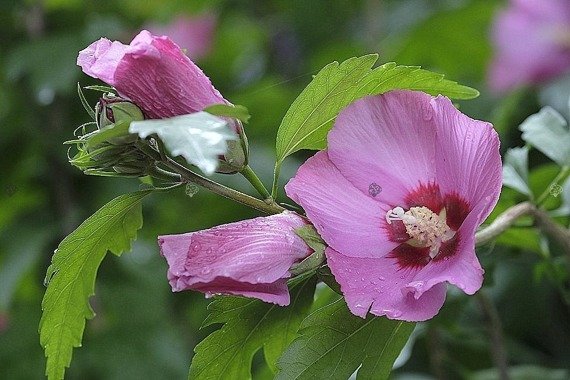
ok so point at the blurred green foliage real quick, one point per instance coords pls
(263, 54)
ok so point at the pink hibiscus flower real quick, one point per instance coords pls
(249, 258)
(397, 196)
(153, 73)
(532, 43)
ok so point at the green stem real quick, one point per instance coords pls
(159, 173)
(275, 180)
(250, 175)
(189, 176)
(561, 177)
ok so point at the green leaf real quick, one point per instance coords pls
(310, 117)
(236, 111)
(548, 132)
(390, 77)
(515, 170)
(199, 137)
(249, 324)
(70, 278)
(334, 343)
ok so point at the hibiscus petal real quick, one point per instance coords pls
(387, 140)
(347, 220)
(468, 159)
(101, 58)
(154, 73)
(234, 258)
(376, 285)
(461, 269)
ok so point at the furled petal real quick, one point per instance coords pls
(154, 73)
(468, 161)
(377, 285)
(461, 269)
(347, 219)
(101, 58)
(388, 140)
(251, 258)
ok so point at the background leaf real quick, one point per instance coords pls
(548, 132)
(71, 276)
(515, 170)
(249, 324)
(199, 137)
(334, 343)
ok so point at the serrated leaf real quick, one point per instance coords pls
(249, 325)
(548, 132)
(515, 170)
(334, 343)
(198, 137)
(309, 118)
(390, 77)
(70, 278)
(236, 111)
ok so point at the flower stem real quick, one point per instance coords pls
(561, 177)
(188, 175)
(502, 222)
(250, 175)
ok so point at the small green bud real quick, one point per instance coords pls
(111, 110)
(236, 158)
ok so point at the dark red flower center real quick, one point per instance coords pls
(426, 226)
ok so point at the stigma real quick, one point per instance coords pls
(425, 228)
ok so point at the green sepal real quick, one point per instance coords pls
(312, 238)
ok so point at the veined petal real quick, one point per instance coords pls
(468, 161)
(376, 285)
(388, 140)
(347, 219)
(234, 258)
(154, 73)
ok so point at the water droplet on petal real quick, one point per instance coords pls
(382, 278)
(196, 246)
(206, 271)
(209, 250)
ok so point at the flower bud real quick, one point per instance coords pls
(236, 157)
(112, 110)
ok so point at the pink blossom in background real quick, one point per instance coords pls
(153, 73)
(397, 196)
(532, 43)
(194, 34)
(249, 258)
